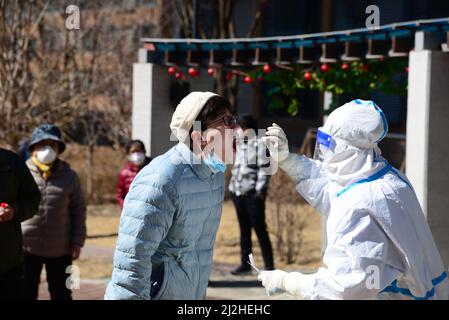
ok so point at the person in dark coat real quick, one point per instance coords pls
(19, 198)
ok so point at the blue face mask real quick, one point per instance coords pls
(215, 164)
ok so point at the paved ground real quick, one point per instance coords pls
(222, 285)
(220, 288)
(96, 252)
(89, 290)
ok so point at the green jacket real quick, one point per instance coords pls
(18, 189)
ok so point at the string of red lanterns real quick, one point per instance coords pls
(194, 72)
(247, 78)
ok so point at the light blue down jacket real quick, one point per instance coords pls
(167, 230)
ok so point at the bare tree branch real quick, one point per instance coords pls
(183, 14)
(257, 18)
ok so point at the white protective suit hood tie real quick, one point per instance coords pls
(186, 112)
(355, 129)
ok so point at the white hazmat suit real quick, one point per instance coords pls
(379, 243)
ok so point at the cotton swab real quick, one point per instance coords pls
(252, 263)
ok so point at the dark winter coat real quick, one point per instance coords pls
(18, 189)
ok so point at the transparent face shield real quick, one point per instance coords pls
(314, 182)
(323, 146)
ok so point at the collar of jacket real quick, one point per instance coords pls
(201, 169)
(131, 167)
(55, 167)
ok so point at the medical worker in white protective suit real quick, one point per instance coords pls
(379, 243)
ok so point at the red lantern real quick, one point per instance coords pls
(211, 71)
(171, 71)
(345, 66)
(229, 76)
(193, 72)
(248, 79)
(178, 75)
(266, 68)
(324, 68)
(307, 76)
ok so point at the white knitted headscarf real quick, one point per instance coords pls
(186, 112)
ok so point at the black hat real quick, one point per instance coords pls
(46, 132)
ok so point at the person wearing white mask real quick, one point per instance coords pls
(137, 159)
(379, 243)
(54, 236)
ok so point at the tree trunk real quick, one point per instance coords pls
(234, 92)
(222, 85)
(90, 170)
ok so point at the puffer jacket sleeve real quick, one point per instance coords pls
(77, 209)
(147, 216)
(310, 179)
(29, 196)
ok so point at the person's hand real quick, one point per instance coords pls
(276, 142)
(76, 251)
(7, 212)
(273, 281)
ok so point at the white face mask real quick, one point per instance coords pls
(46, 155)
(137, 158)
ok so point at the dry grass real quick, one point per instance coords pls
(107, 165)
(94, 268)
(103, 220)
(227, 244)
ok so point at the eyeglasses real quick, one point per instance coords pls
(228, 120)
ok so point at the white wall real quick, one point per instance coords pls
(151, 107)
(427, 148)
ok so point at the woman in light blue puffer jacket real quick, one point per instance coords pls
(172, 211)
